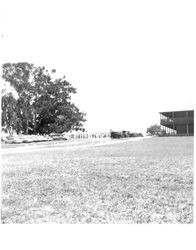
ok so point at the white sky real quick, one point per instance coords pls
(128, 59)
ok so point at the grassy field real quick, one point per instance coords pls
(144, 181)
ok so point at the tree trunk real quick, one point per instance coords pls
(27, 127)
(35, 125)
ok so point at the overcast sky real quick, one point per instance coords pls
(128, 59)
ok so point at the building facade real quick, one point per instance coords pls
(178, 122)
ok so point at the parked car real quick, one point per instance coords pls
(57, 136)
(12, 139)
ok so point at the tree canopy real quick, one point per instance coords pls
(43, 104)
(155, 130)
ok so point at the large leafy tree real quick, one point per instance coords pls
(154, 130)
(44, 104)
(9, 118)
(18, 75)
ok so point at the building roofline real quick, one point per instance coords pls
(176, 111)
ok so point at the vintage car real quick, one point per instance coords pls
(57, 136)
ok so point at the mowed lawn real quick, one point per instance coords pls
(144, 181)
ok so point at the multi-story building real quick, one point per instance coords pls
(178, 122)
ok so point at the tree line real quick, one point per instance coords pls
(43, 103)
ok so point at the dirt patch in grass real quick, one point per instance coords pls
(146, 181)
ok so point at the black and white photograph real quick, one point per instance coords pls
(97, 113)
